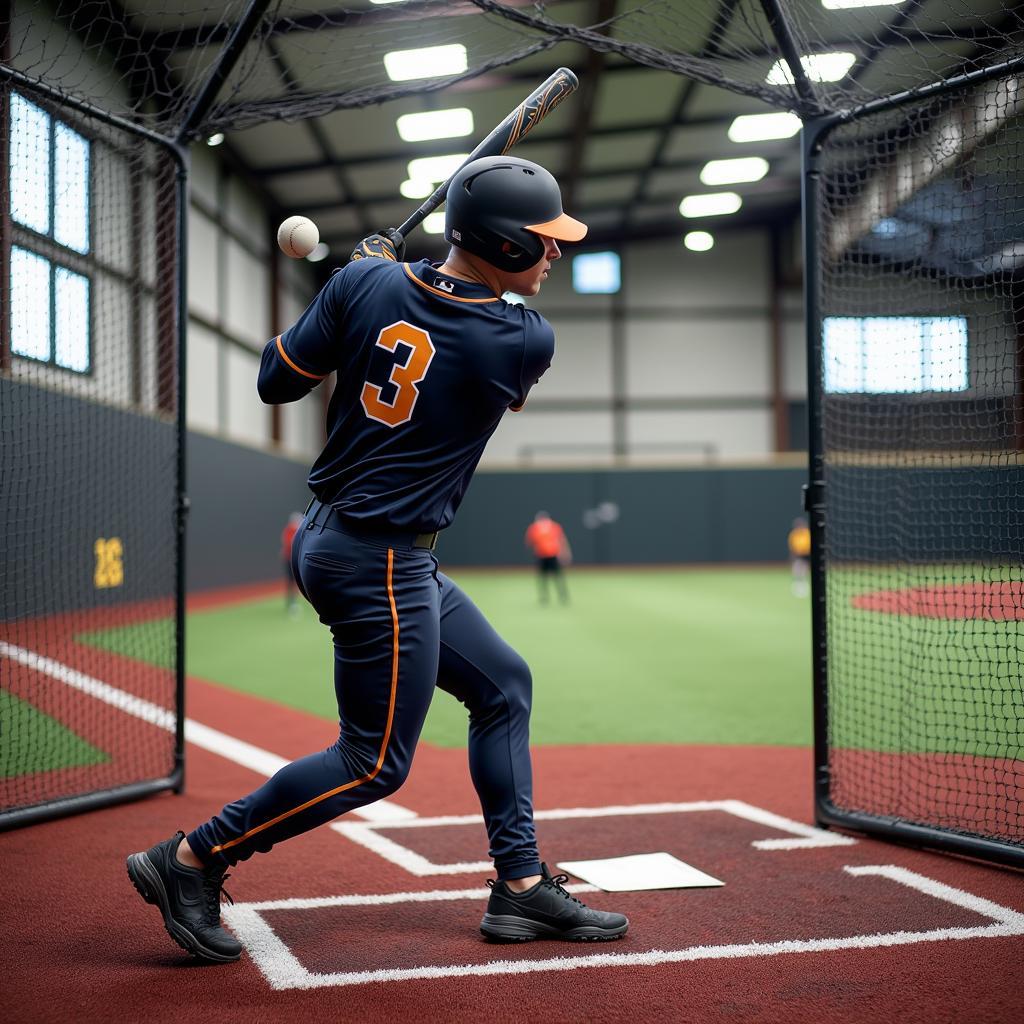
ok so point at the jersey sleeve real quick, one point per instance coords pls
(538, 348)
(297, 360)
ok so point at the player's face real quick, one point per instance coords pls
(528, 282)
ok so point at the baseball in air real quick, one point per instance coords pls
(297, 237)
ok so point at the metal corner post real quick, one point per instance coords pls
(811, 137)
(181, 513)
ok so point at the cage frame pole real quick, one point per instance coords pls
(181, 467)
(207, 95)
(811, 136)
(783, 32)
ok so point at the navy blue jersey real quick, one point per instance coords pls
(427, 365)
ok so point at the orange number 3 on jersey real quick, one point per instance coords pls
(405, 376)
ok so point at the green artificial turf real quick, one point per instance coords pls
(652, 656)
(31, 741)
(920, 684)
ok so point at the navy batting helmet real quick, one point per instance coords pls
(499, 206)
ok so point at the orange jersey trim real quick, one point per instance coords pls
(384, 744)
(297, 369)
(437, 291)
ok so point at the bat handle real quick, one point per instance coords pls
(430, 204)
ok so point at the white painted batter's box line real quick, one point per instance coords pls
(370, 835)
(282, 969)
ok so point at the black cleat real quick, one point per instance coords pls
(546, 911)
(188, 898)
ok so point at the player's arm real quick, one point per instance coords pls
(296, 361)
(538, 348)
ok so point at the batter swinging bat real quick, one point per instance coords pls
(516, 126)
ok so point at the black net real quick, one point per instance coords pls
(922, 299)
(88, 455)
(301, 59)
(922, 261)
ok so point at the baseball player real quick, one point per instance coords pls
(428, 358)
(550, 547)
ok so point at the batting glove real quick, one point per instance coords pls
(387, 245)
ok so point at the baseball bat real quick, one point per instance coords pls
(512, 129)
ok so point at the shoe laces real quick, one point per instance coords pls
(213, 889)
(557, 882)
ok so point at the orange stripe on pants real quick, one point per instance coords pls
(383, 747)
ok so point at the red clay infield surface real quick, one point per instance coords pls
(79, 945)
(998, 602)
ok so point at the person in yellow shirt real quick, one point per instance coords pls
(800, 557)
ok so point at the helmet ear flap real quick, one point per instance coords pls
(508, 254)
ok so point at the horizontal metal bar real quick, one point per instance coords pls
(1002, 69)
(91, 110)
(21, 816)
(946, 841)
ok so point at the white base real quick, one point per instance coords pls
(639, 872)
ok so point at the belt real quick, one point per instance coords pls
(327, 518)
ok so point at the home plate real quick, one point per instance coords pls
(640, 871)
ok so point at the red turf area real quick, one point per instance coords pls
(80, 945)
(998, 602)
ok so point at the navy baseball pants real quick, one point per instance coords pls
(400, 628)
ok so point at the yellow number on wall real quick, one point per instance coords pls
(109, 562)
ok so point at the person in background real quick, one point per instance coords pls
(287, 536)
(800, 557)
(547, 540)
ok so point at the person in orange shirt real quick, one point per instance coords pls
(287, 536)
(800, 556)
(547, 540)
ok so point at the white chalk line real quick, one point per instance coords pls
(369, 835)
(263, 762)
(283, 971)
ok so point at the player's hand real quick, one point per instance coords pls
(386, 245)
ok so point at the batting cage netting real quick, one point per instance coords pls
(921, 397)
(912, 129)
(89, 458)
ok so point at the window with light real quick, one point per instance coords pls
(49, 171)
(895, 354)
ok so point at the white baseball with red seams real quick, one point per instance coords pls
(298, 237)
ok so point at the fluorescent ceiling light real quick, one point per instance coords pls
(729, 172)
(382, 2)
(416, 188)
(829, 5)
(698, 241)
(712, 204)
(435, 124)
(759, 127)
(820, 67)
(429, 62)
(435, 168)
(433, 223)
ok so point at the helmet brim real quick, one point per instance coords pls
(563, 228)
